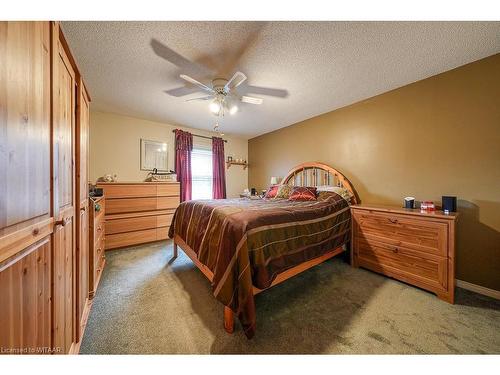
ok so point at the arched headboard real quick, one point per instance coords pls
(317, 174)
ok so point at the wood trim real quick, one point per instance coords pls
(315, 166)
(228, 320)
(15, 242)
(75, 348)
(6, 263)
(192, 255)
(478, 289)
(291, 272)
(67, 50)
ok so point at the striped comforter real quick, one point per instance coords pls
(247, 243)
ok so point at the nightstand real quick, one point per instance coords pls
(416, 247)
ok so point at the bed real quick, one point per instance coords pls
(246, 246)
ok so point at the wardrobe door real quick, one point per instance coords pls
(82, 194)
(25, 213)
(64, 258)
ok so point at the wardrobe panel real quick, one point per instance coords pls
(25, 303)
(65, 207)
(24, 122)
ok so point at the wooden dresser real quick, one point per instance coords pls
(97, 242)
(407, 244)
(138, 212)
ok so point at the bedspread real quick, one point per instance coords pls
(247, 243)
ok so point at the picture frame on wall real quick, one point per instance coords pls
(154, 154)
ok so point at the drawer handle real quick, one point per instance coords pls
(395, 250)
(394, 221)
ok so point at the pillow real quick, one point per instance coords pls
(343, 192)
(271, 192)
(283, 192)
(300, 193)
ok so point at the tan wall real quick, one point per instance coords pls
(115, 148)
(439, 136)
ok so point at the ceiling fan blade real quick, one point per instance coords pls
(201, 98)
(251, 100)
(182, 91)
(237, 79)
(280, 93)
(170, 55)
(195, 82)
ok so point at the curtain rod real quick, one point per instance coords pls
(200, 136)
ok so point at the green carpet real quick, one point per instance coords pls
(148, 304)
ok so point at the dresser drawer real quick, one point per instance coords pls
(403, 263)
(164, 220)
(165, 203)
(128, 190)
(131, 224)
(130, 238)
(162, 233)
(168, 190)
(116, 206)
(422, 235)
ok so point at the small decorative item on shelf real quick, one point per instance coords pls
(229, 159)
(427, 206)
(161, 176)
(237, 162)
(108, 178)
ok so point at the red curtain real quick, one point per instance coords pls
(183, 148)
(219, 171)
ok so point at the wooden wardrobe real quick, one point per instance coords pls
(44, 124)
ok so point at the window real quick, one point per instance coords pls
(201, 172)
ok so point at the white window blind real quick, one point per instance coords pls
(201, 172)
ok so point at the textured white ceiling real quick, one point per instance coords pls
(323, 65)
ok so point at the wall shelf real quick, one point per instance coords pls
(229, 163)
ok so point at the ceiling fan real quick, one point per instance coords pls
(221, 92)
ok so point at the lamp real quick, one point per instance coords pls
(274, 180)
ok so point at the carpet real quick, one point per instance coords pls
(147, 303)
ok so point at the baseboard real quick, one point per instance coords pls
(478, 289)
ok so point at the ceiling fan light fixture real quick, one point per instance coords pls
(214, 107)
(233, 109)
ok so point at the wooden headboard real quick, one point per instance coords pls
(318, 174)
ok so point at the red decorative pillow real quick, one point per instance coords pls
(300, 193)
(271, 192)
